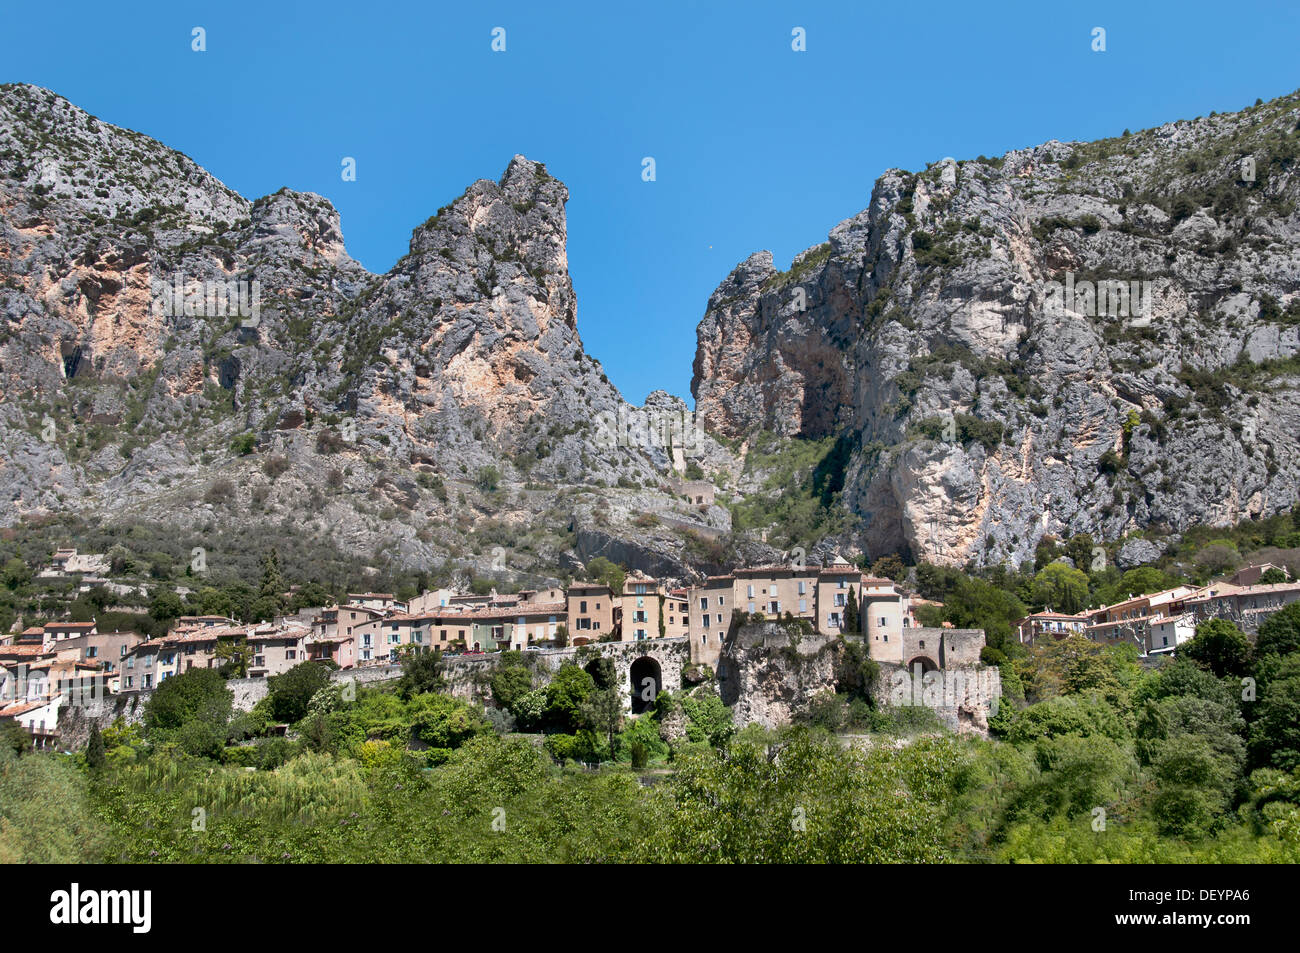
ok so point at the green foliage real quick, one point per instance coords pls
(421, 674)
(1220, 648)
(1062, 587)
(45, 812)
(95, 756)
(567, 693)
(611, 574)
(189, 710)
(1279, 634)
(289, 694)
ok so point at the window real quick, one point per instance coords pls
(704, 603)
(751, 605)
(750, 593)
(802, 587)
(882, 621)
(92, 652)
(291, 654)
(803, 605)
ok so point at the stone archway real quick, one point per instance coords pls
(927, 664)
(646, 682)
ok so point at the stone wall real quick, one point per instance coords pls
(964, 696)
(768, 675)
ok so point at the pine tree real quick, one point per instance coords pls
(851, 613)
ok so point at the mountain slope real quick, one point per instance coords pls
(444, 410)
(980, 406)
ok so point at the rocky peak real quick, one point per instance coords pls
(984, 417)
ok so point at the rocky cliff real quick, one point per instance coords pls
(1077, 337)
(170, 350)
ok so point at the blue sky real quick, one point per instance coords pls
(756, 146)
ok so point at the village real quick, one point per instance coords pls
(45, 668)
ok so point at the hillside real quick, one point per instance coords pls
(974, 406)
(444, 409)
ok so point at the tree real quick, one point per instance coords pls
(569, 689)
(509, 684)
(1275, 734)
(166, 606)
(289, 694)
(1219, 647)
(488, 479)
(1279, 634)
(611, 574)
(191, 710)
(603, 712)
(851, 621)
(421, 674)
(441, 721)
(13, 737)
(15, 573)
(889, 567)
(95, 747)
(1272, 577)
(1061, 587)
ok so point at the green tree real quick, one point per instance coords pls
(1061, 587)
(190, 710)
(1219, 647)
(603, 712)
(611, 574)
(851, 622)
(1275, 733)
(13, 737)
(289, 694)
(441, 721)
(15, 573)
(509, 684)
(1272, 576)
(889, 567)
(1279, 634)
(421, 674)
(95, 747)
(166, 606)
(568, 691)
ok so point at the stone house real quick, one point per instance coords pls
(590, 612)
(639, 608)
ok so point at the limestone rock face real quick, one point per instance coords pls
(170, 350)
(947, 334)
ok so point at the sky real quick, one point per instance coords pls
(756, 145)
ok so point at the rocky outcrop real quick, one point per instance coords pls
(950, 334)
(170, 350)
